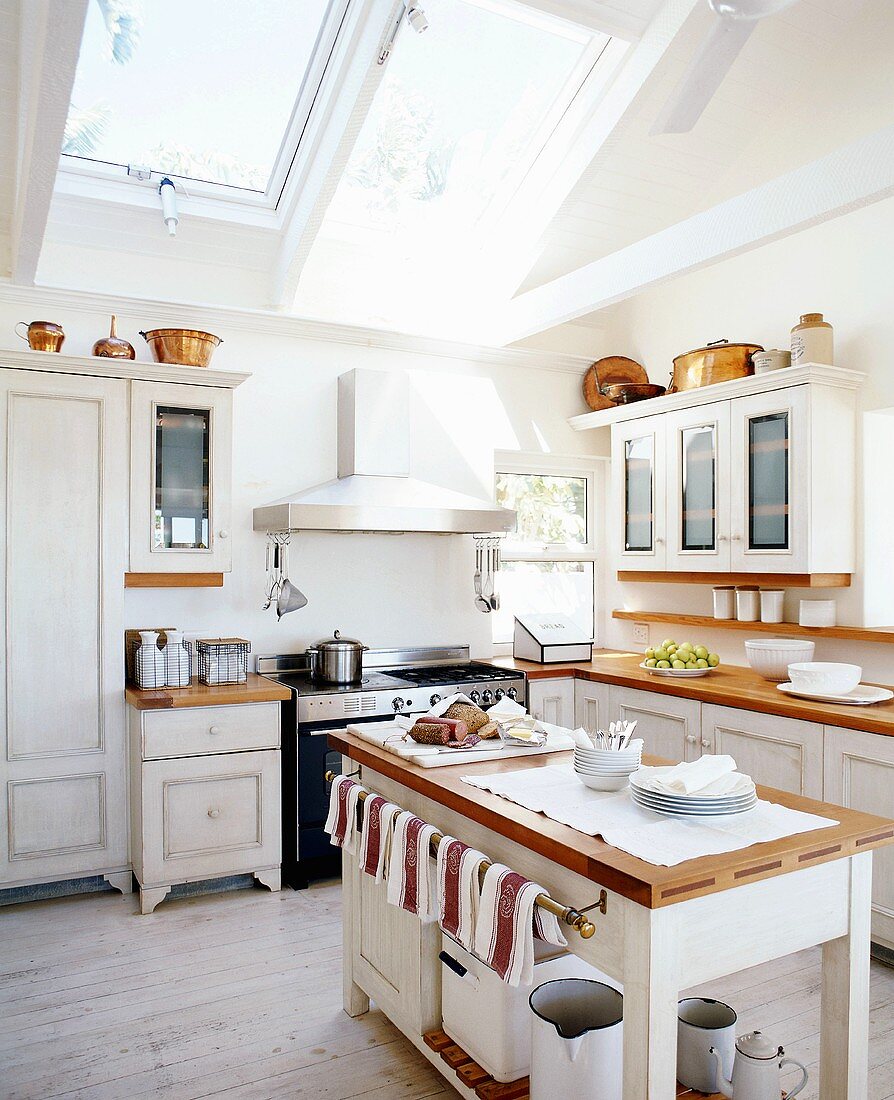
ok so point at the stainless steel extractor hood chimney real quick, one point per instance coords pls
(374, 490)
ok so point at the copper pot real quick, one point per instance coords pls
(42, 335)
(112, 346)
(622, 393)
(719, 361)
(186, 347)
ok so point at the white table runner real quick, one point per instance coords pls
(556, 792)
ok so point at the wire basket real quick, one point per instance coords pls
(170, 665)
(223, 660)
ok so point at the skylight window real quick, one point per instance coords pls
(203, 90)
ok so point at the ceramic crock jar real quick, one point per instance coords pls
(812, 340)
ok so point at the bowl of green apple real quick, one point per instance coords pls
(685, 659)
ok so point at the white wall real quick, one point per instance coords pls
(843, 269)
(384, 589)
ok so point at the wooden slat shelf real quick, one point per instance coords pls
(173, 580)
(883, 634)
(767, 580)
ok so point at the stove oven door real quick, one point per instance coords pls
(316, 856)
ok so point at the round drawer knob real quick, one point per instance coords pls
(706, 744)
(691, 738)
(223, 534)
(214, 813)
(214, 730)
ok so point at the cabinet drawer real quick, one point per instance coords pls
(210, 816)
(196, 731)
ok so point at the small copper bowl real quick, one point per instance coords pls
(186, 347)
(625, 392)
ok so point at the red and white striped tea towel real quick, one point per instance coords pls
(341, 824)
(458, 889)
(508, 920)
(375, 835)
(409, 874)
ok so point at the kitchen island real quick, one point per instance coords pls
(663, 929)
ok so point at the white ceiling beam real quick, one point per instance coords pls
(353, 75)
(857, 174)
(50, 42)
(588, 126)
(625, 18)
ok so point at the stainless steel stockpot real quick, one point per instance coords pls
(336, 660)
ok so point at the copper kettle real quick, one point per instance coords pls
(41, 335)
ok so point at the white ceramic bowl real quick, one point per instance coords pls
(604, 782)
(770, 657)
(598, 756)
(825, 677)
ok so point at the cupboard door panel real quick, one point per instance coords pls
(669, 727)
(552, 701)
(698, 488)
(638, 469)
(63, 515)
(859, 773)
(591, 705)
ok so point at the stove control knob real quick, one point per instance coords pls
(512, 693)
(475, 696)
(498, 694)
(487, 697)
(434, 699)
(398, 704)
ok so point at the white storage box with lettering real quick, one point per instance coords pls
(490, 1020)
(550, 638)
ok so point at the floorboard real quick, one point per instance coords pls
(239, 995)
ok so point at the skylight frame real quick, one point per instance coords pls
(109, 181)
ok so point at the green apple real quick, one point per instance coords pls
(651, 662)
(685, 647)
(701, 653)
(667, 642)
(650, 653)
(701, 663)
(713, 660)
(678, 664)
(661, 654)
(663, 664)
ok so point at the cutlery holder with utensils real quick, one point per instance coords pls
(487, 566)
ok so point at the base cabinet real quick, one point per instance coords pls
(552, 701)
(591, 705)
(859, 773)
(668, 726)
(209, 814)
(776, 752)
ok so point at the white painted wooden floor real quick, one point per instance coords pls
(239, 995)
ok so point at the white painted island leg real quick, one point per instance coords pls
(844, 1025)
(355, 1001)
(651, 991)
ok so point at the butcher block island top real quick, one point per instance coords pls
(727, 686)
(256, 689)
(590, 857)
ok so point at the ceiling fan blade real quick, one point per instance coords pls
(701, 80)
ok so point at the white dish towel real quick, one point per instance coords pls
(410, 870)
(459, 889)
(375, 835)
(508, 920)
(341, 824)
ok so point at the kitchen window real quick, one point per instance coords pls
(549, 562)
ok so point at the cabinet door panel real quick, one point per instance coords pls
(669, 727)
(63, 514)
(776, 752)
(181, 476)
(770, 477)
(638, 469)
(591, 705)
(552, 701)
(698, 488)
(859, 773)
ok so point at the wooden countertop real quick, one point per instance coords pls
(256, 689)
(644, 883)
(729, 686)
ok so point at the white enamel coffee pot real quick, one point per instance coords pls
(756, 1070)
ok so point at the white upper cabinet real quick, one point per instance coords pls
(181, 478)
(762, 483)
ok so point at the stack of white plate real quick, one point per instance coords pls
(606, 769)
(735, 799)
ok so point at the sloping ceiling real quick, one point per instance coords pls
(9, 87)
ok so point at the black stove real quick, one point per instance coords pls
(394, 681)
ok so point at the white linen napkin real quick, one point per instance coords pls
(410, 869)
(504, 933)
(459, 889)
(714, 775)
(341, 824)
(505, 709)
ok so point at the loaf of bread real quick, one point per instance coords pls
(474, 717)
(490, 730)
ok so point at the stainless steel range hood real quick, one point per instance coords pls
(374, 490)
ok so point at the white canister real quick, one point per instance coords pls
(149, 662)
(178, 670)
(748, 604)
(774, 359)
(816, 613)
(725, 602)
(577, 1046)
(772, 603)
(702, 1024)
(812, 340)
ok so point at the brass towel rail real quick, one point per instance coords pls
(572, 917)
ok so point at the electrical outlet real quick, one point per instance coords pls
(641, 633)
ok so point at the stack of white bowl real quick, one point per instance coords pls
(607, 769)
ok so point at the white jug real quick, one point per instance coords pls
(178, 667)
(149, 662)
(577, 1040)
(756, 1070)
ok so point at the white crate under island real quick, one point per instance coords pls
(658, 931)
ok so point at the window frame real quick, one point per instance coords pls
(590, 467)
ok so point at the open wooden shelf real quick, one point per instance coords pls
(765, 580)
(173, 580)
(883, 634)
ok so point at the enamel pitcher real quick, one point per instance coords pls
(756, 1070)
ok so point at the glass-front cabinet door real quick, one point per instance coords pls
(638, 462)
(770, 478)
(181, 443)
(698, 488)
